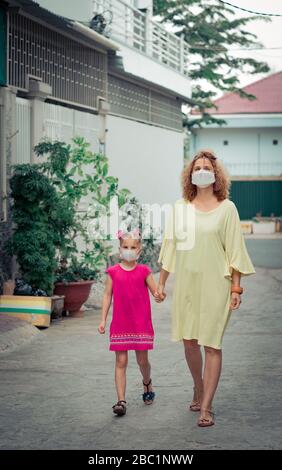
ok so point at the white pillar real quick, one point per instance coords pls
(148, 33)
(182, 63)
(7, 142)
(38, 92)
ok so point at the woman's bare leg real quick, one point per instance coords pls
(194, 361)
(212, 370)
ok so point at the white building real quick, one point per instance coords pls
(249, 145)
(132, 108)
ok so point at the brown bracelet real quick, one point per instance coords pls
(237, 289)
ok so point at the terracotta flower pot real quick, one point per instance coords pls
(76, 293)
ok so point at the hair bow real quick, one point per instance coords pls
(120, 233)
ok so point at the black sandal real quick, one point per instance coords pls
(119, 408)
(148, 397)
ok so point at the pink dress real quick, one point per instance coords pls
(131, 326)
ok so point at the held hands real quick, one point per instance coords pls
(160, 294)
(101, 327)
(235, 301)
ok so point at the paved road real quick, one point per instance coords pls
(266, 253)
(57, 392)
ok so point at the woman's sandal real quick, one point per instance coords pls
(205, 422)
(196, 402)
(148, 397)
(119, 408)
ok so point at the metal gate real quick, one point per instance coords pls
(257, 197)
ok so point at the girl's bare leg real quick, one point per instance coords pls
(145, 368)
(120, 373)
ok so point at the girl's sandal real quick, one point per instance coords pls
(148, 397)
(205, 422)
(196, 402)
(119, 408)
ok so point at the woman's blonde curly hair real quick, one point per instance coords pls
(222, 181)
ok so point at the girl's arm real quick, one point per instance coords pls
(107, 300)
(153, 288)
(161, 284)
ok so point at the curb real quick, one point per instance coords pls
(15, 332)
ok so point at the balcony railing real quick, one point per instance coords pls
(138, 30)
(271, 168)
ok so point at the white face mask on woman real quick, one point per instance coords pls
(203, 178)
(128, 255)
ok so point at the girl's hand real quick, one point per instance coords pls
(101, 327)
(235, 301)
(160, 293)
(158, 298)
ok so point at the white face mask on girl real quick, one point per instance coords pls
(128, 255)
(203, 178)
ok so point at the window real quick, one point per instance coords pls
(225, 142)
(275, 142)
(76, 73)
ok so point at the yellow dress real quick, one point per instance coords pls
(201, 296)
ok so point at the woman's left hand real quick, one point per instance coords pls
(235, 301)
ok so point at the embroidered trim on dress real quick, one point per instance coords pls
(131, 338)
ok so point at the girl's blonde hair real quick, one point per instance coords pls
(222, 181)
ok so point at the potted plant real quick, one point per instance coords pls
(38, 231)
(74, 283)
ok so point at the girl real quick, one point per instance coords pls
(131, 327)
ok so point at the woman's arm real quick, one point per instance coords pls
(107, 300)
(235, 298)
(161, 284)
(236, 278)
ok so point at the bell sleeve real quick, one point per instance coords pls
(168, 248)
(237, 256)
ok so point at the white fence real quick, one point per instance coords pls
(269, 168)
(61, 123)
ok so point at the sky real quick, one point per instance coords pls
(269, 34)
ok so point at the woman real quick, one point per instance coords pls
(207, 273)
